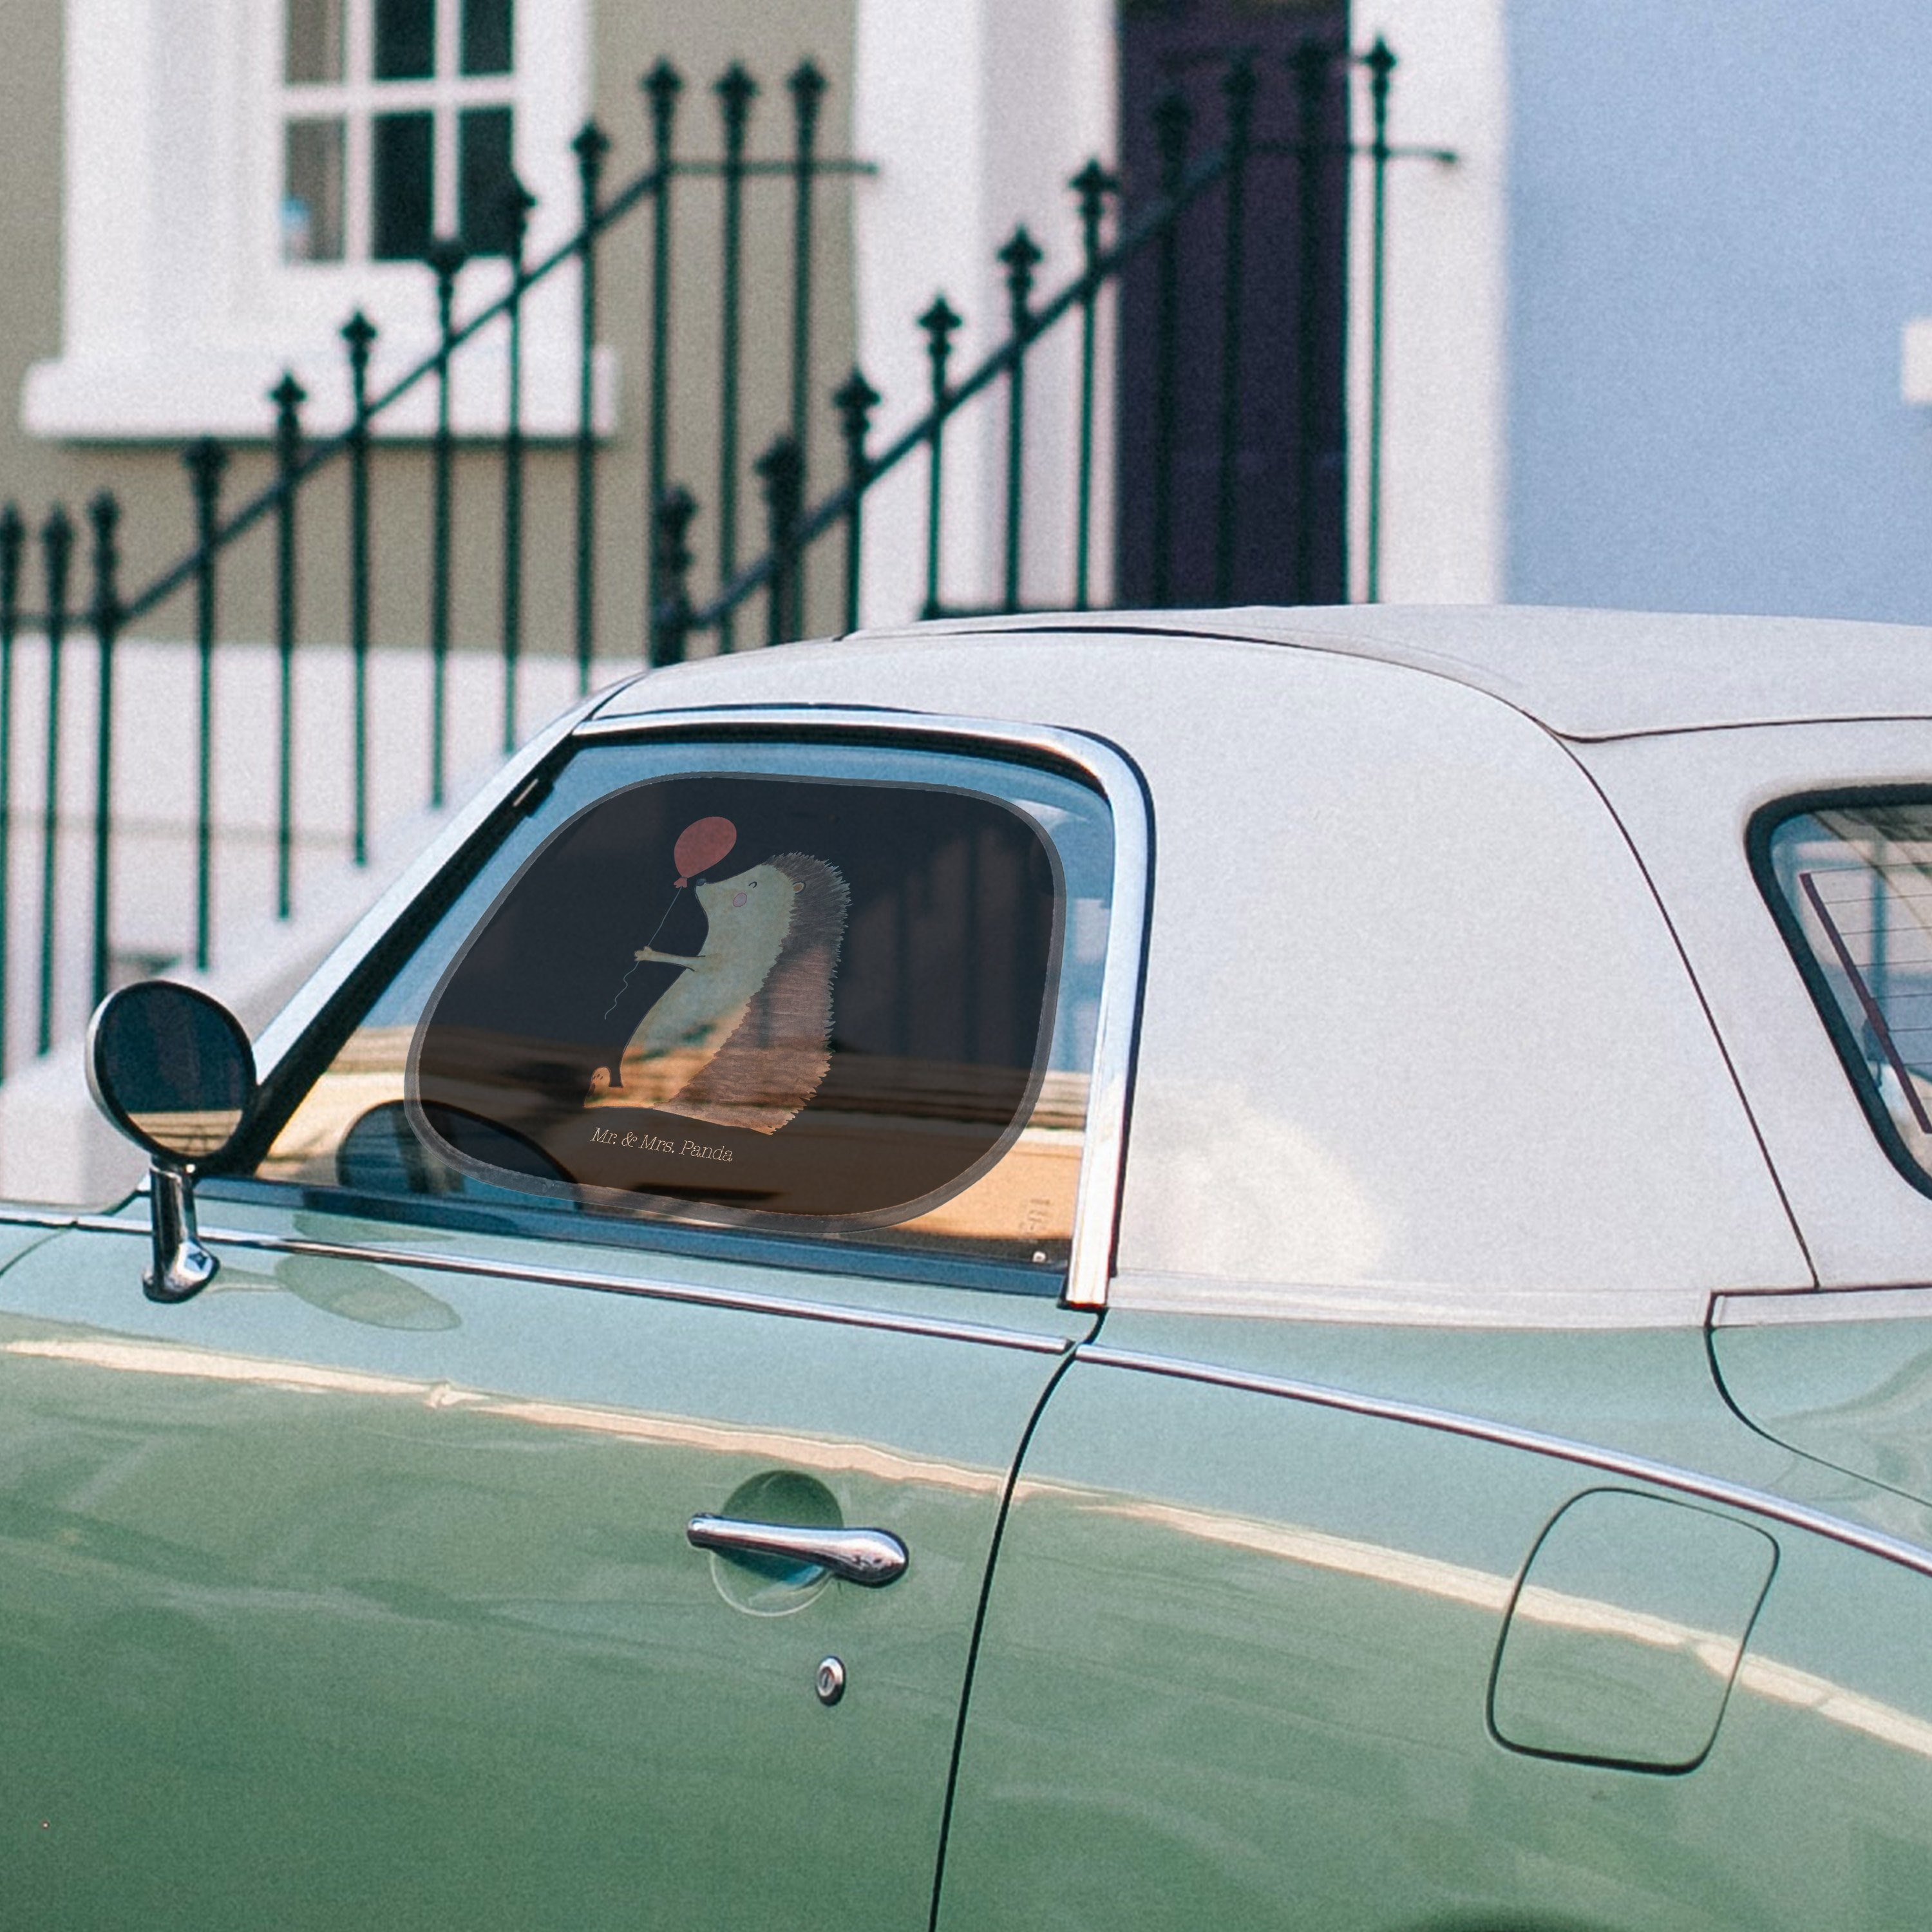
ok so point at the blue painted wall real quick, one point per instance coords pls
(1720, 214)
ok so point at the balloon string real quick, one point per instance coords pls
(617, 997)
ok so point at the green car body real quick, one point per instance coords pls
(1533, 1531)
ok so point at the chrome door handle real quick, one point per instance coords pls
(872, 1557)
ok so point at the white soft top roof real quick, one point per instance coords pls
(1584, 673)
(1416, 1041)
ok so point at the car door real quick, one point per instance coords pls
(362, 1588)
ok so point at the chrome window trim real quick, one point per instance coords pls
(742, 1301)
(1605, 1461)
(1097, 1192)
(1812, 1307)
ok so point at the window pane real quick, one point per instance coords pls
(312, 191)
(864, 1014)
(487, 37)
(405, 209)
(405, 40)
(483, 147)
(313, 52)
(1856, 881)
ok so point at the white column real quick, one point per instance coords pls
(978, 113)
(114, 181)
(1444, 443)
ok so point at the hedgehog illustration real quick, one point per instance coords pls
(741, 1038)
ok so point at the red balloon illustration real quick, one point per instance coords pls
(700, 845)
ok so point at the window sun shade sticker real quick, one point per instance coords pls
(745, 999)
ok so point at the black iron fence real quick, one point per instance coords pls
(1119, 226)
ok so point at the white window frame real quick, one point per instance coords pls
(359, 98)
(178, 312)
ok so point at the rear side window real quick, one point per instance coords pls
(842, 995)
(1851, 882)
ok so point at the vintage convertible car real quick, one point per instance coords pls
(1248, 1270)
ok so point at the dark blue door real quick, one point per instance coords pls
(1247, 504)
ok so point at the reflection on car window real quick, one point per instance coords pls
(842, 993)
(1856, 882)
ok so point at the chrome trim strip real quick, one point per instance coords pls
(39, 1217)
(745, 1301)
(1771, 1309)
(1508, 1435)
(1097, 1193)
(870, 1557)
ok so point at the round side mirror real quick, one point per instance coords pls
(173, 1070)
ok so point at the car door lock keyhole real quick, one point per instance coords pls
(829, 1681)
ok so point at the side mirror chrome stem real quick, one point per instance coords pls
(182, 1267)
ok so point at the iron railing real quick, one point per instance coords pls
(676, 616)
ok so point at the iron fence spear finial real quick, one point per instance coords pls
(206, 460)
(661, 87)
(1380, 60)
(592, 147)
(736, 90)
(855, 399)
(939, 321)
(1093, 184)
(1020, 256)
(288, 396)
(445, 257)
(359, 332)
(807, 85)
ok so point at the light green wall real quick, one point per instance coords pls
(701, 38)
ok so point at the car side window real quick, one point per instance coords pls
(1851, 882)
(845, 994)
